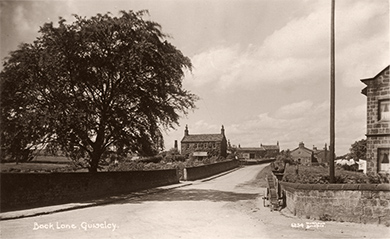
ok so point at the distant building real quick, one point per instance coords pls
(307, 156)
(258, 152)
(321, 155)
(302, 154)
(271, 150)
(378, 120)
(203, 145)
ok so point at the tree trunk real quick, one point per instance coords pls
(95, 158)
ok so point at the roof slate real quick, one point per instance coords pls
(202, 138)
(250, 149)
(270, 147)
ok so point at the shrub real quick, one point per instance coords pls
(320, 175)
(153, 159)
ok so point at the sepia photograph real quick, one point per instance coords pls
(167, 119)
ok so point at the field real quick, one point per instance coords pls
(40, 164)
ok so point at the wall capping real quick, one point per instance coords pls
(355, 187)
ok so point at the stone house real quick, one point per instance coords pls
(377, 91)
(250, 152)
(310, 157)
(271, 150)
(258, 152)
(302, 154)
(321, 155)
(204, 145)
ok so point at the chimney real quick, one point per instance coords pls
(176, 145)
(186, 131)
(301, 145)
(223, 130)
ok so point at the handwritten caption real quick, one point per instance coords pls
(70, 226)
(308, 225)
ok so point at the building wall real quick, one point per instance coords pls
(303, 155)
(246, 154)
(378, 132)
(212, 148)
(323, 157)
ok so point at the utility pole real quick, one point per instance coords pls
(332, 94)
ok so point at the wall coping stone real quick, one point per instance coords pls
(361, 187)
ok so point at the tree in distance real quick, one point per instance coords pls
(358, 150)
(97, 85)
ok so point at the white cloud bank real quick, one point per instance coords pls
(299, 52)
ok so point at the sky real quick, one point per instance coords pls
(260, 67)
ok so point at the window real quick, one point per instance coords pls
(383, 108)
(383, 159)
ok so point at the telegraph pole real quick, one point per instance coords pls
(332, 94)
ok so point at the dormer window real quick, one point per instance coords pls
(383, 108)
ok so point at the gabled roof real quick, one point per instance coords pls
(270, 147)
(380, 73)
(250, 149)
(304, 149)
(202, 138)
(367, 80)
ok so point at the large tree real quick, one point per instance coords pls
(358, 149)
(95, 85)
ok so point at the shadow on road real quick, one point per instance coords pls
(190, 195)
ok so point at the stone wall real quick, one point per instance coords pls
(28, 190)
(360, 203)
(208, 170)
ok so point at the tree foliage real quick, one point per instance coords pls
(358, 149)
(95, 85)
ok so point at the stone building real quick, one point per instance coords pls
(321, 155)
(271, 150)
(302, 154)
(258, 152)
(310, 157)
(378, 120)
(203, 145)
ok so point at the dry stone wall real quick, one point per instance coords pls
(360, 203)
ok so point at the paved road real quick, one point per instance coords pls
(226, 207)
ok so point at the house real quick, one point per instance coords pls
(377, 91)
(307, 156)
(250, 152)
(271, 150)
(302, 154)
(204, 145)
(258, 152)
(321, 155)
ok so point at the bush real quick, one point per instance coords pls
(320, 175)
(153, 159)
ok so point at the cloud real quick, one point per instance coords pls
(295, 110)
(299, 52)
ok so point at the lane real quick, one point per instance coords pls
(226, 207)
(204, 208)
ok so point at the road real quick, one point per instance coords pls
(229, 206)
